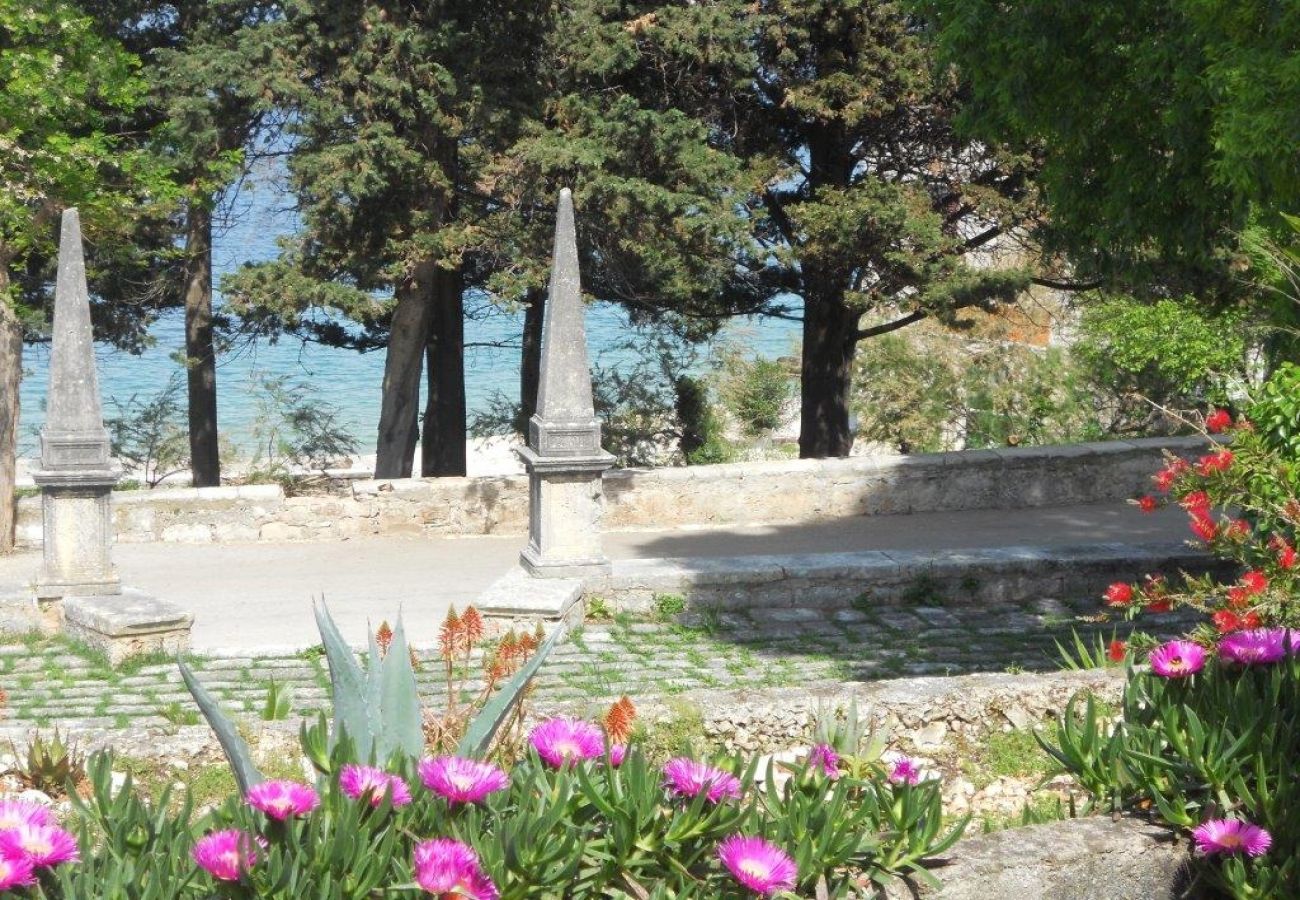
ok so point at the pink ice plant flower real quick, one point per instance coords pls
(1255, 646)
(23, 812)
(762, 867)
(283, 799)
(42, 845)
(1177, 659)
(824, 757)
(359, 781)
(1230, 836)
(564, 740)
(904, 771)
(15, 870)
(225, 855)
(449, 869)
(617, 753)
(690, 778)
(460, 780)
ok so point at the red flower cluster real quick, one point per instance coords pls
(1116, 651)
(1228, 621)
(1147, 503)
(1166, 477)
(1119, 594)
(1214, 462)
(1286, 555)
(1218, 421)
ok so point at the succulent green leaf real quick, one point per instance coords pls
(484, 727)
(398, 699)
(353, 711)
(236, 749)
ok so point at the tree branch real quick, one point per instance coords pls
(1067, 285)
(876, 330)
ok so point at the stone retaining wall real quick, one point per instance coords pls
(949, 577)
(733, 494)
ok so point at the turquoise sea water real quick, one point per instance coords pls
(348, 381)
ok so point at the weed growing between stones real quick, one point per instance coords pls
(1209, 730)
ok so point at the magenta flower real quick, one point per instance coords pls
(823, 756)
(23, 812)
(1177, 659)
(283, 799)
(462, 780)
(1293, 640)
(359, 781)
(1231, 836)
(762, 867)
(904, 771)
(15, 870)
(225, 855)
(42, 845)
(1256, 646)
(690, 778)
(564, 740)
(450, 869)
(617, 753)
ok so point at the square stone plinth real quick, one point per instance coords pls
(517, 595)
(128, 624)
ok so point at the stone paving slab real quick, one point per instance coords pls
(49, 682)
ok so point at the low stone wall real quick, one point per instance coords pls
(733, 494)
(836, 580)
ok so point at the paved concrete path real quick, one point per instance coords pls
(257, 597)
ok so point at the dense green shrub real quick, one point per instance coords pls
(756, 391)
(700, 436)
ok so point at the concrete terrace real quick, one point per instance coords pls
(255, 599)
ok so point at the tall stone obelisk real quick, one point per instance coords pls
(564, 458)
(76, 474)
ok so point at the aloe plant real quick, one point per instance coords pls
(484, 726)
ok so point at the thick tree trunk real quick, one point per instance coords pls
(200, 350)
(530, 369)
(442, 446)
(11, 373)
(829, 339)
(399, 408)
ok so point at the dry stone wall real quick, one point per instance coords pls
(740, 493)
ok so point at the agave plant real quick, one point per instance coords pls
(376, 707)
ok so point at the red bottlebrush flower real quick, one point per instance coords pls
(1218, 421)
(1214, 462)
(1116, 651)
(1204, 528)
(1238, 597)
(1238, 529)
(1250, 620)
(1196, 503)
(384, 637)
(1147, 503)
(1226, 621)
(1163, 605)
(1255, 581)
(1166, 477)
(618, 721)
(1286, 555)
(1119, 594)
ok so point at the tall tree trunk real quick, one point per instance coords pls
(829, 339)
(530, 369)
(200, 351)
(399, 408)
(11, 374)
(442, 446)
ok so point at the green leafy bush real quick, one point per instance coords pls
(756, 391)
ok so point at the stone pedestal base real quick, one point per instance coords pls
(566, 499)
(518, 595)
(128, 624)
(78, 536)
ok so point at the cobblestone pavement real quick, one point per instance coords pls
(49, 681)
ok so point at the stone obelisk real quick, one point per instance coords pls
(564, 458)
(76, 474)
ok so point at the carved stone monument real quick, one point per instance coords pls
(76, 474)
(77, 586)
(564, 459)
